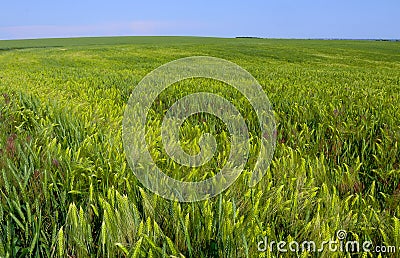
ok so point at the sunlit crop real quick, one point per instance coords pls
(66, 189)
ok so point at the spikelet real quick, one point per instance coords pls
(60, 241)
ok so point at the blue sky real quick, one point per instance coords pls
(277, 19)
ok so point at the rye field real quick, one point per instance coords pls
(66, 189)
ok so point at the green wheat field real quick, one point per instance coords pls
(66, 189)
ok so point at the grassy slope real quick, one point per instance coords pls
(336, 165)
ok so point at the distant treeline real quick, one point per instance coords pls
(392, 40)
(245, 37)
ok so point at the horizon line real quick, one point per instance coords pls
(195, 36)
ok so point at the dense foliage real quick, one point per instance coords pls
(66, 189)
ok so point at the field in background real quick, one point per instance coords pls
(66, 189)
